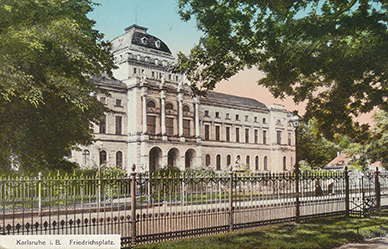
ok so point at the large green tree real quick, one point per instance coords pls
(313, 147)
(331, 53)
(377, 149)
(48, 49)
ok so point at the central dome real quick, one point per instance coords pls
(137, 35)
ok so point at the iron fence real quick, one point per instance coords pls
(151, 207)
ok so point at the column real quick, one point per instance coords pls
(196, 103)
(180, 114)
(144, 115)
(163, 113)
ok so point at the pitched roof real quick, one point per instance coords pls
(216, 98)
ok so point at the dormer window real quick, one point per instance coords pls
(144, 40)
(157, 44)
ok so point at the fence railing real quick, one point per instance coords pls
(150, 207)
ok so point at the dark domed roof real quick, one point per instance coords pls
(149, 41)
(136, 35)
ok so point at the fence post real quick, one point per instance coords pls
(347, 192)
(40, 193)
(377, 190)
(231, 202)
(133, 205)
(297, 201)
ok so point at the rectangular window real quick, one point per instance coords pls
(170, 126)
(289, 138)
(217, 115)
(153, 74)
(207, 113)
(207, 127)
(247, 136)
(103, 124)
(264, 120)
(256, 136)
(103, 100)
(255, 119)
(246, 118)
(237, 135)
(134, 70)
(119, 125)
(169, 77)
(237, 117)
(264, 137)
(218, 133)
(186, 127)
(118, 103)
(227, 116)
(151, 125)
(227, 137)
(278, 137)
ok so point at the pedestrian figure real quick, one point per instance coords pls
(318, 188)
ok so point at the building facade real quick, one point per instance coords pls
(155, 121)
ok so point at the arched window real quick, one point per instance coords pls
(257, 163)
(186, 108)
(265, 163)
(228, 160)
(86, 154)
(103, 157)
(218, 162)
(169, 106)
(284, 163)
(119, 159)
(151, 104)
(247, 161)
(207, 158)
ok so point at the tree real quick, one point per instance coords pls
(377, 149)
(330, 53)
(48, 49)
(313, 147)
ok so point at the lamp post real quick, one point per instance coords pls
(99, 147)
(295, 123)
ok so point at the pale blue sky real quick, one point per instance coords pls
(163, 21)
(159, 16)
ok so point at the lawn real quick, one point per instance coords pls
(309, 234)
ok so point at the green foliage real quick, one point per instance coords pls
(165, 184)
(313, 148)
(48, 49)
(331, 54)
(377, 149)
(203, 171)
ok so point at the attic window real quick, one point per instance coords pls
(157, 44)
(144, 40)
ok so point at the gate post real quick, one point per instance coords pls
(231, 202)
(347, 192)
(377, 190)
(133, 206)
(40, 194)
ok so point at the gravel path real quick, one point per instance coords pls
(374, 243)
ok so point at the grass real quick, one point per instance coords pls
(324, 233)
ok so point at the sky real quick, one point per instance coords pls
(162, 20)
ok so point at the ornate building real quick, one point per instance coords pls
(154, 120)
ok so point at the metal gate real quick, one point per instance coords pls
(363, 187)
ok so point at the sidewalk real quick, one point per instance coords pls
(374, 243)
